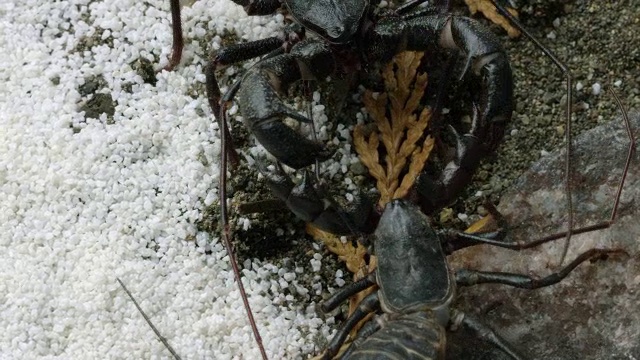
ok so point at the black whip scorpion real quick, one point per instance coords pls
(341, 25)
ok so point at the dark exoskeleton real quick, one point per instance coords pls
(416, 288)
(352, 35)
(311, 203)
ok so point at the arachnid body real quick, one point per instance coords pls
(351, 36)
(356, 35)
(416, 288)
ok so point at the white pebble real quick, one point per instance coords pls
(316, 265)
(135, 185)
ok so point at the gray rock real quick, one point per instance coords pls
(593, 313)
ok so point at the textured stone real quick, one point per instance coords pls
(593, 313)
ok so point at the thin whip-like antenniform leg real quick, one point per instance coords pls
(226, 229)
(178, 41)
(616, 203)
(632, 149)
(565, 70)
(462, 240)
(146, 318)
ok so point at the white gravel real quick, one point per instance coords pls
(121, 199)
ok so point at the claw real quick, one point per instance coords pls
(263, 111)
(310, 204)
(436, 193)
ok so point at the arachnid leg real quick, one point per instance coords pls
(237, 53)
(258, 98)
(178, 40)
(485, 64)
(213, 94)
(499, 4)
(369, 304)
(466, 277)
(233, 54)
(259, 7)
(455, 240)
(311, 204)
(485, 333)
(442, 6)
(349, 291)
(252, 7)
(368, 329)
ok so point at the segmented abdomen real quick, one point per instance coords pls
(411, 336)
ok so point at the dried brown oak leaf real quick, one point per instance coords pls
(489, 11)
(399, 128)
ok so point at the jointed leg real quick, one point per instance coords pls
(485, 333)
(369, 328)
(348, 291)
(227, 56)
(259, 7)
(252, 7)
(178, 41)
(455, 240)
(466, 277)
(369, 304)
(565, 70)
(146, 318)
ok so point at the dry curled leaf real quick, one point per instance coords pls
(489, 11)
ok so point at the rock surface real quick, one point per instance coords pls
(593, 313)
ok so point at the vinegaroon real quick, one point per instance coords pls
(495, 129)
(352, 35)
(416, 288)
(416, 285)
